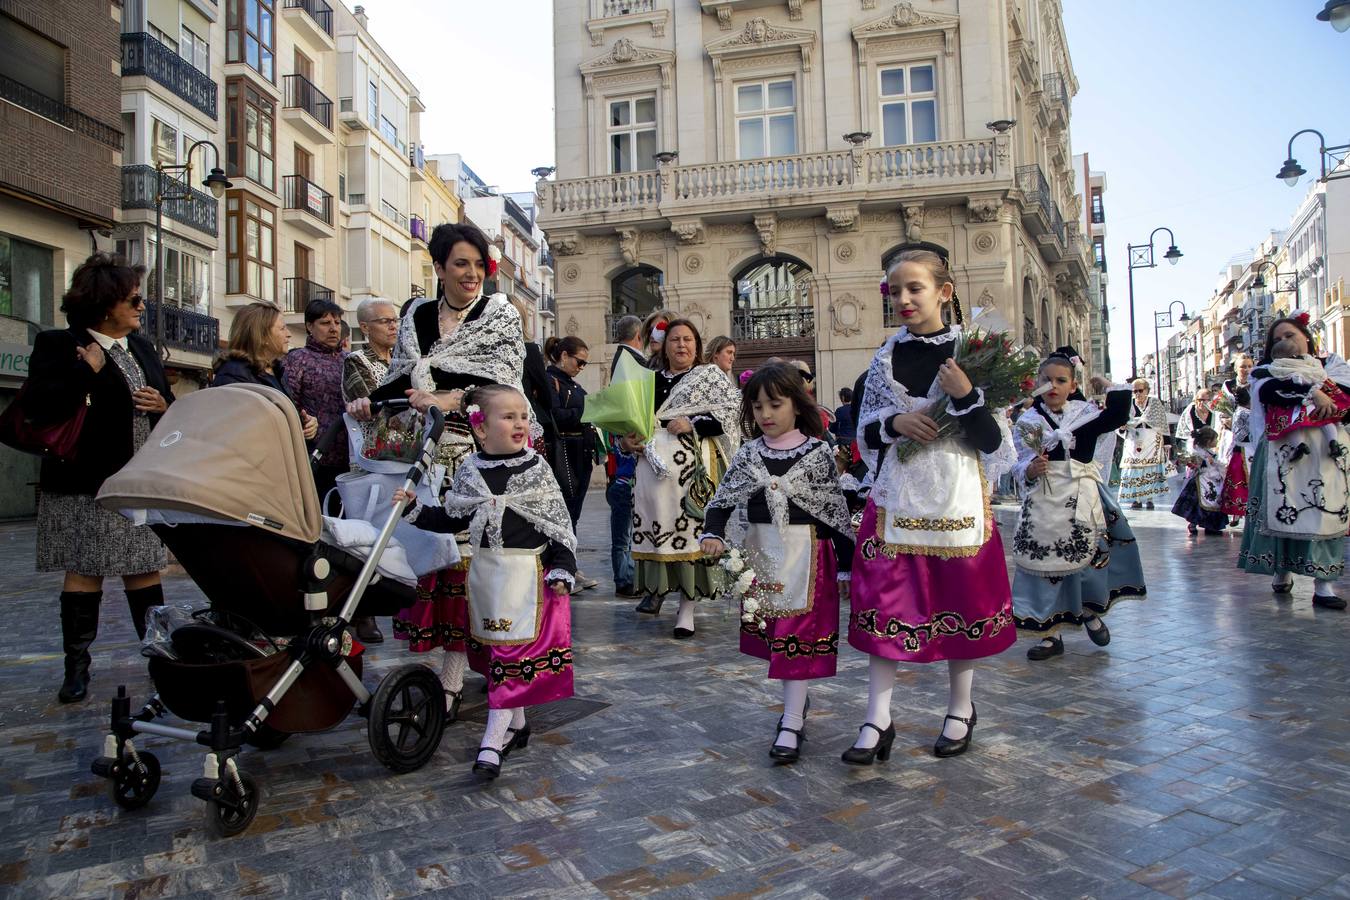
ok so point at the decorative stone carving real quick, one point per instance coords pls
(695, 313)
(904, 16)
(571, 274)
(984, 209)
(573, 327)
(985, 300)
(565, 244)
(724, 18)
(629, 239)
(846, 315)
(729, 230)
(869, 4)
(796, 226)
(984, 242)
(795, 10)
(845, 252)
(913, 217)
(842, 218)
(693, 264)
(757, 36)
(688, 232)
(767, 226)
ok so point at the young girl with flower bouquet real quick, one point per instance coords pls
(522, 567)
(929, 579)
(1074, 551)
(798, 545)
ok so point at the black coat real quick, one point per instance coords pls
(59, 381)
(237, 371)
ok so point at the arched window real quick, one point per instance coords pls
(772, 313)
(634, 292)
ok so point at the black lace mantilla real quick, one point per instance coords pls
(943, 624)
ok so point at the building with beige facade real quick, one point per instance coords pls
(752, 164)
(434, 202)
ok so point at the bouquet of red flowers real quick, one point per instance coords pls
(993, 363)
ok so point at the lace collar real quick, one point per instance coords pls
(671, 376)
(515, 460)
(763, 449)
(946, 335)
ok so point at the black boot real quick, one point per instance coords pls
(140, 601)
(368, 630)
(79, 627)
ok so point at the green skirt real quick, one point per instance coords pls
(694, 579)
(1262, 554)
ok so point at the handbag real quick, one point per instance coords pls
(58, 440)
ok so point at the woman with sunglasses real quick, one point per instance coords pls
(99, 363)
(1143, 463)
(576, 442)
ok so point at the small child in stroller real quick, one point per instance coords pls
(521, 571)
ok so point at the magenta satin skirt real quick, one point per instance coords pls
(925, 608)
(440, 617)
(533, 673)
(804, 646)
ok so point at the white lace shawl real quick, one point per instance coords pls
(377, 367)
(532, 493)
(885, 398)
(1154, 415)
(706, 391)
(1334, 367)
(812, 483)
(1185, 429)
(1075, 415)
(491, 347)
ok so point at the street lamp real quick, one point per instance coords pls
(1163, 320)
(1141, 257)
(1259, 282)
(1337, 12)
(181, 178)
(1291, 171)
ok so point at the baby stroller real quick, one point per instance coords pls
(224, 481)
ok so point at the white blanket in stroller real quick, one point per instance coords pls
(411, 553)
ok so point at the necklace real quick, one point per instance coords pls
(454, 315)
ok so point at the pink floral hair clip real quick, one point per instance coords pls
(476, 416)
(746, 376)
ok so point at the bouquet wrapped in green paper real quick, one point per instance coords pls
(626, 404)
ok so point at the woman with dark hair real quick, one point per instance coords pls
(698, 429)
(101, 363)
(799, 536)
(1299, 495)
(314, 381)
(576, 440)
(456, 340)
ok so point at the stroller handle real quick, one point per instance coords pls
(435, 420)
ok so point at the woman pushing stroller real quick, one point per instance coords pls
(522, 567)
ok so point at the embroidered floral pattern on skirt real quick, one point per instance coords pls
(807, 645)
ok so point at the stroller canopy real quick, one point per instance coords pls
(234, 453)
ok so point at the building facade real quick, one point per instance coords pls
(1092, 188)
(809, 139)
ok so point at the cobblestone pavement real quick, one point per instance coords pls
(1204, 752)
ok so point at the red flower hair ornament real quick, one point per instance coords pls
(1303, 318)
(494, 257)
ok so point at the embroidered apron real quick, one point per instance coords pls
(786, 560)
(663, 529)
(1061, 520)
(505, 595)
(939, 517)
(1209, 486)
(1307, 491)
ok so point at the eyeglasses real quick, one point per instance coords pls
(1141, 390)
(136, 301)
(581, 363)
(387, 320)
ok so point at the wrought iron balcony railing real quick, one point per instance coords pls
(1055, 89)
(301, 193)
(143, 54)
(185, 329)
(140, 185)
(318, 10)
(773, 323)
(1031, 181)
(297, 293)
(418, 228)
(23, 96)
(301, 93)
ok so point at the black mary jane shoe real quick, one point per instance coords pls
(1192, 528)
(488, 771)
(1042, 651)
(782, 752)
(863, 756)
(452, 701)
(1148, 504)
(650, 605)
(1101, 635)
(1136, 505)
(1212, 532)
(683, 634)
(1286, 588)
(946, 747)
(517, 738)
(1329, 602)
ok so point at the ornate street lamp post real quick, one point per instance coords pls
(1141, 257)
(177, 186)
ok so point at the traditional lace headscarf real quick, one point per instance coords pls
(532, 493)
(812, 483)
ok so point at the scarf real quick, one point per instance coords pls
(532, 493)
(812, 483)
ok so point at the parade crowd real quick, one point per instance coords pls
(748, 486)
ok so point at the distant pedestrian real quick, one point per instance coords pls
(722, 353)
(844, 427)
(314, 381)
(621, 467)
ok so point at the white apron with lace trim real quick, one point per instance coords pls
(506, 595)
(934, 516)
(793, 550)
(1307, 485)
(1061, 519)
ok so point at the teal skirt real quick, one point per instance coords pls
(1262, 554)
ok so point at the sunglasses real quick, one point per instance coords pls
(1141, 390)
(136, 301)
(581, 363)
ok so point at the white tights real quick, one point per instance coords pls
(881, 683)
(794, 711)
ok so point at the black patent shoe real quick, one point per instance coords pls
(488, 770)
(1192, 528)
(1148, 504)
(368, 630)
(1042, 651)
(517, 738)
(945, 746)
(1331, 602)
(1101, 636)
(683, 634)
(782, 752)
(650, 605)
(1136, 505)
(863, 756)
(75, 686)
(1286, 588)
(452, 701)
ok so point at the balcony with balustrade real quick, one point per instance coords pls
(144, 56)
(307, 108)
(1040, 213)
(417, 162)
(184, 329)
(607, 14)
(297, 293)
(140, 184)
(307, 206)
(805, 183)
(313, 20)
(417, 227)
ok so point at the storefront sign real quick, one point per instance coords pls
(14, 359)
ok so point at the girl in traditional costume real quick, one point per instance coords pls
(929, 581)
(698, 430)
(1074, 551)
(1300, 481)
(1143, 462)
(1199, 500)
(1238, 450)
(799, 541)
(521, 568)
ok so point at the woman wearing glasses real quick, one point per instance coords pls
(1143, 464)
(364, 369)
(102, 364)
(576, 442)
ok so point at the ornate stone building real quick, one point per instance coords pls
(752, 163)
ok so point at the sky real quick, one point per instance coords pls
(1186, 105)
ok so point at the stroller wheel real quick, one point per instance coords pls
(407, 718)
(267, 738)
(135, 780)
(232, 813)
